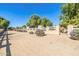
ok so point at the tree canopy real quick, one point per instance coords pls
(24, 26)
(46, 22)
(36, 20)
(4, 23)
(70, 14)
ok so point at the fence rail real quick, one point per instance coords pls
(4, 37)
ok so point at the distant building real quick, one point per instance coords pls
(33, 28)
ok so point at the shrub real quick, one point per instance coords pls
(61, 29)
(40, 33)
(31, 32)
(74, 34)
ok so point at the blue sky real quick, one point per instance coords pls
(19, 13)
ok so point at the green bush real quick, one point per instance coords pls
(40, 33)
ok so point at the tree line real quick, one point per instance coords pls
(36, 20)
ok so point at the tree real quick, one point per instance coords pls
(11, 28)
(34, 21)
(4, 23)
(43, 22)
(70, 14)
(1, 19)
(24, 26)
(49, 23)
(38, 21)
(28, 24)
(46, 22)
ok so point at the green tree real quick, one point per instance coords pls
(49, 23)
(24, 26)
(4, 23)
(46, 22)
(70, 14)
(43, 22)
(28, 24)
(1, 19)
(34, 20)
(38, 21)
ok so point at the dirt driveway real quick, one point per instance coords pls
(25, 44)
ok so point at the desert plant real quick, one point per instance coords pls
(40, 32)
(74, 34)
(31, 32)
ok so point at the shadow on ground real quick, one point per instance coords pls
(11, 33)
(7, 45)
